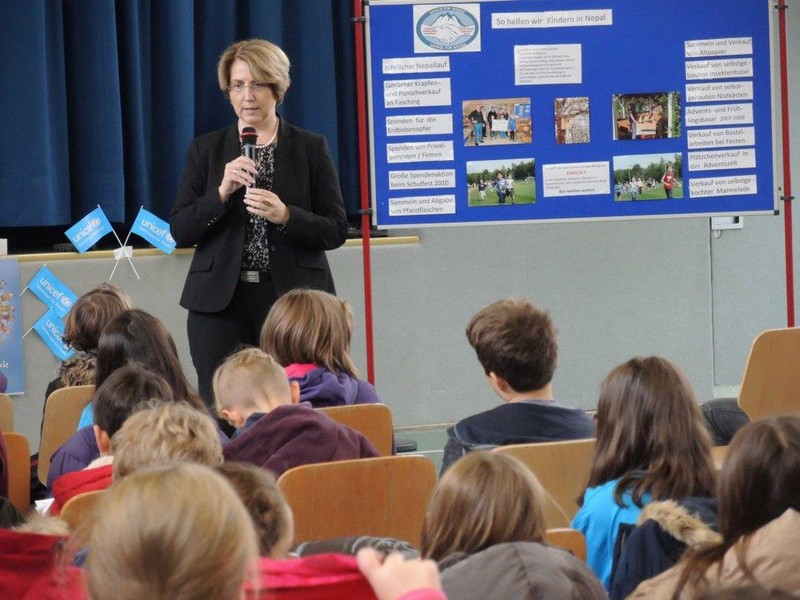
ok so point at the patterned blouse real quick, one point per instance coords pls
(255, 256)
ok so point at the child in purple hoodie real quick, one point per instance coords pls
(309, 332)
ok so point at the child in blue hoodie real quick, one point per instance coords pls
(309, 332)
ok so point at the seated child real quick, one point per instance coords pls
(651, 445)
(276, 432)
(271, 514)
(485, 526)
(309, 332)
(127, 390)
(516, 345)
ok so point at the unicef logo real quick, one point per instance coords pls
(447, 28)
(66, 301)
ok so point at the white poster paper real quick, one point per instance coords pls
(719, 69)
(402, 93)
(419, 151)
(415, 64)
(419, 125)
(548, 64)
(709, 160)
(718, 47)
(722, 186)
(719, 92)
(423, 179)
(422, 205)
(576, 179)
(552, 18)
(719, 114)
(720, 138)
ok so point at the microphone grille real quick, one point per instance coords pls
(249, 135)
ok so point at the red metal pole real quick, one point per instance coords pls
(363, 171)
(787, 175)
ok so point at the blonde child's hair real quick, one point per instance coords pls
(482, 500)
(310, 326)
(164, 434)
(171, 533)
(247, 375)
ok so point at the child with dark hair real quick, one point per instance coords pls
(516, 345)
(126, 391)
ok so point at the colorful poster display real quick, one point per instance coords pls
(534, 110)
(12, 372)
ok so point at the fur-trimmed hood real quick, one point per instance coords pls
(692, 521)
(79, 369)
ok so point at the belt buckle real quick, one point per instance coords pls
(250, 277)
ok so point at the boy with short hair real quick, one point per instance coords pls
(516, 344)
(126, 391)
(275, 430)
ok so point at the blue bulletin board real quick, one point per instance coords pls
(543, 110)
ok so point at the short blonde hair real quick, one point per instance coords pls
(482, 500)
(171, 533)
(169, 433)
(240, 379)
(310, 326)
(267, 62)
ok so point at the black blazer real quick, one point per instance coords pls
(305, 179)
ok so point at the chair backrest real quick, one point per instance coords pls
(563, 470)
(373, 421)
(384, 497)
(718, 454)
(771, 377)
(6, 413)
(61, 415)
(79, 508)
(569, 539)
(19, 470)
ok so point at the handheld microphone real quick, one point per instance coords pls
(249, 140)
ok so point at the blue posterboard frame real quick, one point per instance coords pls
(431, 65)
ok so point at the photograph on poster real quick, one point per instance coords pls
(647, 116)
(572, 120)
(497, 122)
(648, 177)
(504, 181)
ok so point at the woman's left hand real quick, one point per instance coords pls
(264, 203)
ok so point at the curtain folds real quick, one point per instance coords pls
(101, 98)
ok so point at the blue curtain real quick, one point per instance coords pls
(99, 99)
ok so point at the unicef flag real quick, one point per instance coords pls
(88, 231)
(51, 329)
(52, 291)
(153, 230)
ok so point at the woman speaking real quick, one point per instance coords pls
(261, 219)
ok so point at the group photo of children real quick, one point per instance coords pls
(497, 121)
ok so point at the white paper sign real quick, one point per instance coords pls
(576, 179)
(720, 138)
(548, 64)
(719, 92)
(709, 160)
(719, 69)
(419, 125)
(719, 114)
(416, 64)
(401, 93)
(431, 178)
(722, 186)
(718, 47)
(419, 151)
(552, 18)
(422, 205)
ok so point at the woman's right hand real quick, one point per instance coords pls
(241, 171)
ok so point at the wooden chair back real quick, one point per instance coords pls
(6, 413)
(771, 380)
(61, 415)
(373, 421)
(569, 539)
(563, 470)
(80, 508)
(18, 452)
(718, 454)
(385, 496)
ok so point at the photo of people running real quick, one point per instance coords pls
(504, 182)
(648, 177)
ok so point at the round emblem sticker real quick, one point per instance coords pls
(447, 28)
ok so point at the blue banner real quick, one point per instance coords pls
(154, 230)
(52, 291)
(12, 372)
(51, 329)
(88, 231)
